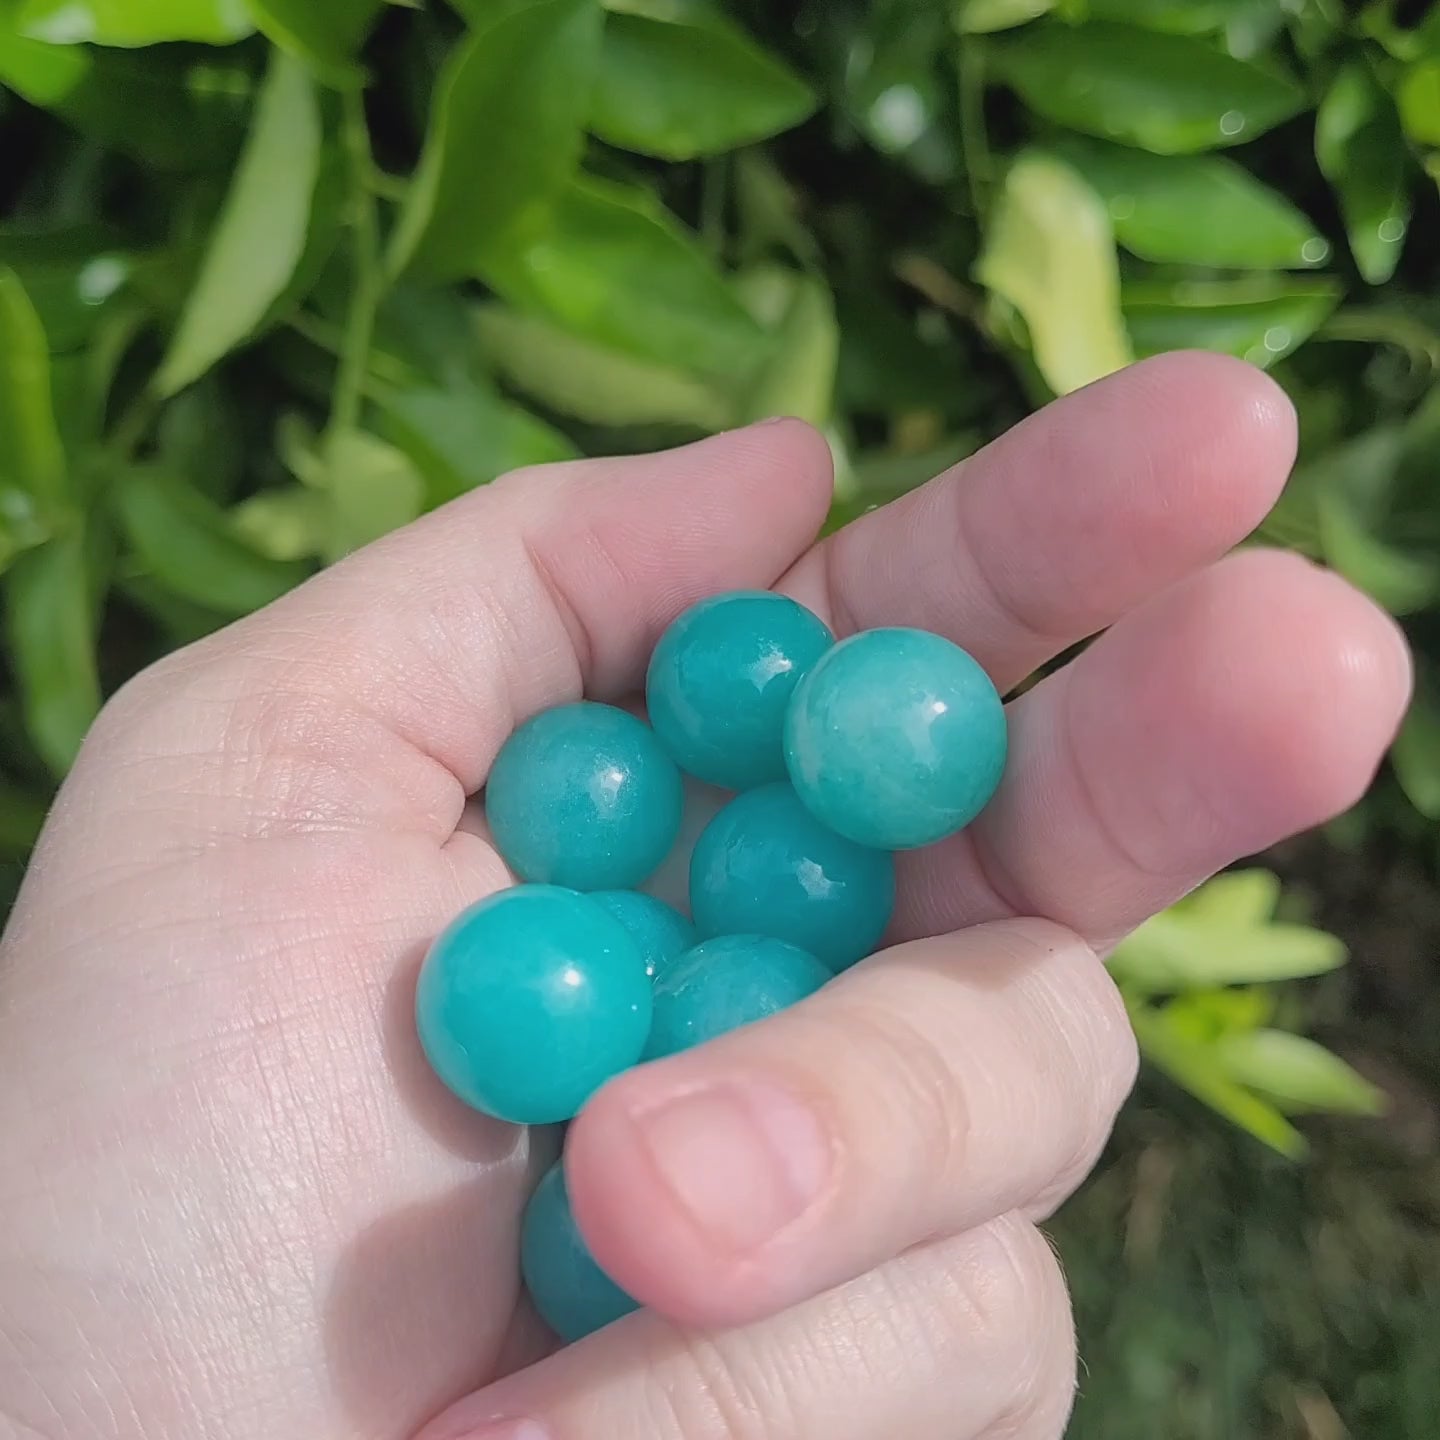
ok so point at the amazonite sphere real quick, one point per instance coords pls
(726, 982)
(584, 796)
(721, 678)
(660, 931)
(896, 739)
(574, 1296)
(766, 866)
(530, 1001)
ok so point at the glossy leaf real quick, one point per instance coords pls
(1361, 149)
(261, 233)
(1050, 253)
(188, 544)
(134, 22)
(591, 382)
(1193, 1066)
(1260, 320)
(613, 266)
(981, 17)
(32, 462)
(50, 614)
(1296, 1074)
(690, 86)
(43, 74)
(799, 377)
(1194, 209)
(373, 489)
(1419, 98)
(1162, 92)
(1176, 951)
(463, 438)
(324, 33)
(514, 96)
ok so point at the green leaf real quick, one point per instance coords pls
(32, 462)
(373, 488)
(1416, 751)
(1178, 17)
(43, 74)
(593, 383)
(513, 95)
(613, 266)
(289, 523)
(1419, 99)
(21, 817)
(981, 17)
(134, 22)
(464, 438)
(683, 88)
(261, 233)
(1296, 1073)
(799, 378)
(1361, 149)
(1050, 253)
(1260, 319)
(190, 546)
(1162, 92)
(1193, 1066)
(1402, 581)
(323, 33)
(1238, 897)
(1194, 209)
(70, 287)
(1175, 951)
(51, 618)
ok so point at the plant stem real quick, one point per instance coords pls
(974, 136)
(365, 259)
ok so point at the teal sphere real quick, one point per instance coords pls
(574, 1296)
(660, 931)
(727, 982)
(584, 796)
(896, 739)
(530, 1001)
(766, 866)
(720, 681)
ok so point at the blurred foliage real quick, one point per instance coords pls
(277, 276)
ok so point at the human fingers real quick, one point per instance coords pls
(968, 1338)
(929, 1090)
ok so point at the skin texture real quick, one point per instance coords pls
(236, 1203)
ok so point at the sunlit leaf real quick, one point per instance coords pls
(1419, 98)
(515, 93)
(799, 377)
(1259, 319)
(289, 523)
(261, 233)
(50, 614)
(978, 17)
(134, 22)
(1238, 897)
(1298, 1075)
(43, 74)
(324, 33)
(373, 487)
(1162, 92)
(594, 383)
(611, 265)
(689, 86)
(1361, 149)
(32, 462)
(189, 545)
(1195, 209)
(1050, 252)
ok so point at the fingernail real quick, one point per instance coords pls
(743, 1160)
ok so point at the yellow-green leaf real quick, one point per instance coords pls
(1238, 897)
(1050, 253)
(323, 33)
(134, 22)
(799, 377)
(32, 462)
(261, 234)
(981, 17)
(43, 74)
(373, 488)
(1296, 1074)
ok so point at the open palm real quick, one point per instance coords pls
(237, 1204)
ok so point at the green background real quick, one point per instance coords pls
(276, 276)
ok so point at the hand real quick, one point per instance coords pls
(236, 1204)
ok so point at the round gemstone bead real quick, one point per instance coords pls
(584, 796)
(727, 982)
(896, 738)
(720, 680)
(765, 865)
(530, 1001)
(574, 1296)
(660, 931)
